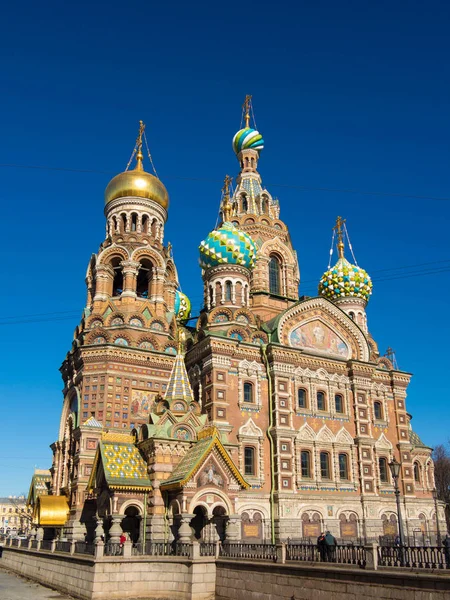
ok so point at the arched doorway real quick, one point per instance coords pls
(219, 522)
(131, 523)
(199, 522)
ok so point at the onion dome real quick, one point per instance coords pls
(247, 138)
(345, 280)
(227, 245)
(182, 306)
(137, 182)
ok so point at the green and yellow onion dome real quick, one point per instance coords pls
(345, 280)
(227, 245)
(182, 306)
(138, 183)
(247, 138)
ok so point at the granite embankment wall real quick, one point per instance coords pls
(237, 580)
(116, 577)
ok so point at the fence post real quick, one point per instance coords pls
(72, 546)
(127, 546)
(53, 546)
(38, 545)
(19, 543)
(372, 556)
(217, 553)
(194, 550)
(30, 541)
(281, 553)
(99, 549)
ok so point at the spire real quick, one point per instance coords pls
(179, 387)
(339, 229)
(226, 204)
(139, 155)
(246, 107)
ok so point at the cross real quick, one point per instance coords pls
(339, 228)
(246, 107)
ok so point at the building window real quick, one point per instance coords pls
(274, 276)
(416, 472)
(228, 291)
(325, 465)
(339, 403)
(301, 394)
(321, 404)
(305, 458)
(377, 410)
(249, 460)
(343, 466)
(248, 392)
(382, 463)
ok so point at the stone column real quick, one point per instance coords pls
(185, 531)
(116, 530)
(129, 270)
(105, 276)
(233, 531)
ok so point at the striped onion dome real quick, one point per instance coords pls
(247, 138)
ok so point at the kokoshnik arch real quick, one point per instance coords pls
(270, 416)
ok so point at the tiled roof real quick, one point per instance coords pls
(415, 440)
(179, 387)
(193, 460)
(92, 422)
(123, 466)
(39, 485)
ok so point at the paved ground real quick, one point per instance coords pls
(13, 587)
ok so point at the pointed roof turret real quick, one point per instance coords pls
(179, 387)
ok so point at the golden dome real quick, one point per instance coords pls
(137, 182)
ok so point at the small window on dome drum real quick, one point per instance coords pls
(274, 276)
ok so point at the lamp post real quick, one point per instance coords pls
(395, 466)
(438, 529)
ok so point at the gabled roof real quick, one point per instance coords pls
(197, 455)
(179, 387)
(39, 485)
(123, 466)
(92, 422)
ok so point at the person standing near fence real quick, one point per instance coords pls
(446, 544)
(330, 545)
(322, 547)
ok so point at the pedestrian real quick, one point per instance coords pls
(446, 544)
(321, 547)
(330, 545)
(122, 540)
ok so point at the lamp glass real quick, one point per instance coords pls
(395, 468)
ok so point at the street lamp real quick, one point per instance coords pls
(438, 529)
(395, 466)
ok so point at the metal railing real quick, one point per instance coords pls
(34, 544)
(84, 548)
(253, 551)
(62, 546)
(340, 554)
(207, 548)
(46, 544)
(305, 552)
(113, 549)
(418, 557)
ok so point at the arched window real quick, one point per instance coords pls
(416, 472)
(117, 288)
(124, 222)
(343, 466)
(145, 224)
(377, 410)
(305, 458)
(339, 403)
(249, 460)
(244, 203)
(248, 392)
(301, 394)
(325, 465)
(228, 291)
(133, 222)
(144, 278)
(321, 403)
(351, 315)
(274, 276)
(383, 466)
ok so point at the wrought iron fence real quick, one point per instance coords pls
(240, 550)
(46, 544)
(113, 549)
(305, 552)
(207, 548)
(34, 544)
(84, 548)
(15, 542)
(351, 554)
(62, 546)
(419, 557)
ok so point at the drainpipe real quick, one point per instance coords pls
(144, 533)
(272, 446)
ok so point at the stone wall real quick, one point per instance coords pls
(264, 581)
(152, 578)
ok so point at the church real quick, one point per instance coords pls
(268, 416)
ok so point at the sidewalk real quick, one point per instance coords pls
(13, 587)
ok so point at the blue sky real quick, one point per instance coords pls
(348, 96)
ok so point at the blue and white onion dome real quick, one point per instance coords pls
(247, 138)
(345, 280)
(182, 306)
(227, 245)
